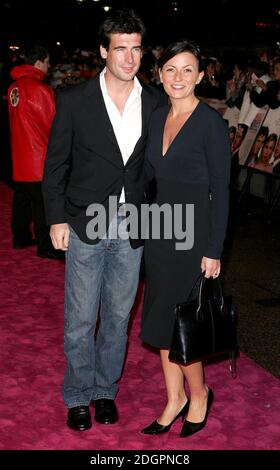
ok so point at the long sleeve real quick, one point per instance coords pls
(41, 106)
(149, 171)
(218, 156)
(58, 163)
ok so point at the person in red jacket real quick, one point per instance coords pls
(31, 111)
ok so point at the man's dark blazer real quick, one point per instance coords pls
(84, 164)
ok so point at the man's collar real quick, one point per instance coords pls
(137, 86)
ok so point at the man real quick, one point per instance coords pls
(13, 59)
(31, 111)
(96, 151)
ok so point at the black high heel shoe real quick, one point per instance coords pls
(190, 428)
(156, 428)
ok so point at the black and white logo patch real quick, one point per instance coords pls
(14, 96)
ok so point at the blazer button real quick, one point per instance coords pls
(125, 170)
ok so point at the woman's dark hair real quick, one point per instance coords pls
(121, 21)
(177, 48)
(263, 130)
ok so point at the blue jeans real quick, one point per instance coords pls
(105, 275)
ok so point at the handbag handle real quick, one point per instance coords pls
(217, 282)
(198, 289)
(202, 280)
(233, 352)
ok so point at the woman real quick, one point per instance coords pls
(270, 91)
(188, 153)
(235, 88)
(263, 163)
(276, 160)
(257, 145)
(211, 85)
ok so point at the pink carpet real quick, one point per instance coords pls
(245, 413)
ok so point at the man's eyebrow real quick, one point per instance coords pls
(139, 46)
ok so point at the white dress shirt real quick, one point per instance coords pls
(128, 125)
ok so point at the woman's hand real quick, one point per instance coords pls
(210, 267)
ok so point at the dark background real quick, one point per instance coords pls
(211, 23)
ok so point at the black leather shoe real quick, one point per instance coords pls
(52, 254)
(190, 428)
(105, 411)
(19, 245)
(79, 418)
(156, 428)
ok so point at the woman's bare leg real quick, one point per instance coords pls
(174, 381)
(194, 375)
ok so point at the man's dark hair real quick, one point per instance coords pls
(33, 53)
(121, 21)
(179, 47)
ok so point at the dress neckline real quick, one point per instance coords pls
(178, 133)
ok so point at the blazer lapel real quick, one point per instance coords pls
(99, 117)
(104, 117)
(147, 108)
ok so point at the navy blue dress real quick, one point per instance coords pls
(195, 170)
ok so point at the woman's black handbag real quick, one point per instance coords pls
(205, 325)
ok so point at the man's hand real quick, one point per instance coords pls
(59, 234)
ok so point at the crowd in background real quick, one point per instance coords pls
(232, 77)
(226, 77)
